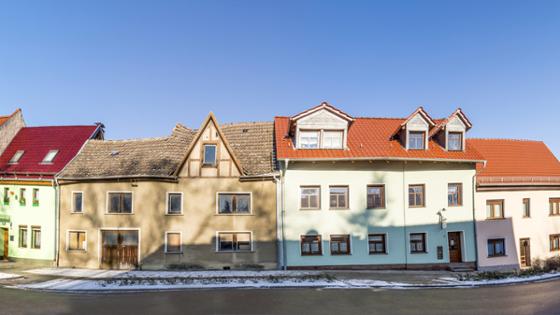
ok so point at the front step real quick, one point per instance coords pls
(461, 268)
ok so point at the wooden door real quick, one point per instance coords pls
(119, 249)
(6, 238)
(454, 239)
(525, 252)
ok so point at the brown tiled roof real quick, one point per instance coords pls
(153, 157)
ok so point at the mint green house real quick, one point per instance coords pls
(28, 205)
(375, 192)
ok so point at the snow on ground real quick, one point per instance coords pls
(5, 276)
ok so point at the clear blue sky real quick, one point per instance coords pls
(140, 67)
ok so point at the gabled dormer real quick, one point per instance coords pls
(321, 127)
(451, 132)
(414, 131)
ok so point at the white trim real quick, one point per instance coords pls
(233, 251)
(100, 241)
(73, 206)
(180, 240)
(119, 191)
(250, 193)
(167, 202)
(68, 238)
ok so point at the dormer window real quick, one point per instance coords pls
(309, 139)
(16, 157)
(417, 140)
(50, 156)
(332, 139)
(455, 141)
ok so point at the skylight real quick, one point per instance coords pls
(50, 156)
(17, 156)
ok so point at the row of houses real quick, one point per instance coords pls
(319, 189)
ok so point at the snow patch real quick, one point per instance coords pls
(5, 276)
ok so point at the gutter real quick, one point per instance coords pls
(385, 159)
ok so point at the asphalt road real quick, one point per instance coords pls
(536, 298)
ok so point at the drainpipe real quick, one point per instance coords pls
(474, 222)
(283, 213)
(279, 238)
(405, 190)
(56, 219)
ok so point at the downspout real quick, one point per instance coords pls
(279, 236)
(404, 215)
(474, 221)
(283, 213)
(56, 220)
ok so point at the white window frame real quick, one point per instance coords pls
(167, 202)
(319, 138)
(73, 205)
(425, 140)
(51, 160)
(322, 136)
(68, 241)
(204, 164)
(448, 133)
(18, 152)
(217, 249)
(238, 193)
(180, 241)
(119, 191)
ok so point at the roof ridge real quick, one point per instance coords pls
(506, 139)
(58, 126)
(245, 123)
(131, 140)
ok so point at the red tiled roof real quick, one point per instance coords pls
(510, 160)
(36, 142)
(368, 138)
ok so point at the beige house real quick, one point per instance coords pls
(201, 198)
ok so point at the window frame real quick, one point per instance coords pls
(416, 132)
(551, 203)
(22, 199)
(166, 241)
(346, 199)
(51, 161)
(167, 203)
(13, 161)
(73, 205)
(6, 196)
(383, 196)
(423, 205)
(68, 249)
(494, 202)
(234, 193)
(526, 207)
(494, 241)
(35, 228)
(322, 138)
(459, 194)
(23, 242)
(35, 197)
(553, 237)
(108, 202)
(318, 187)
(385, 251)
(424, 243)
(203, 153)
(348, 245)
(319, 138)
(461, 141)
(302, 237)
(251, 245)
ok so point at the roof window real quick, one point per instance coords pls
(50, 156)
(17, 156)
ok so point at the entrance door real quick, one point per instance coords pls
(119, 249)
(454, 239)
(6, 238)
(525, 252)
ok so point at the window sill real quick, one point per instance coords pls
(77, 251)
(383, 208)
(175, 214)
(111, 213)
(416, 207)
(454, 206)
(235, 251)
(311, 255)
(234, 214)
(497, 256)
(375, 254)
(338, 209)
(75, 212)
(554, 215)
(495, 219)
(418, 253)
(310, 209)
(349, 254)
(173, 253)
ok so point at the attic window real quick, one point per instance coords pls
(455, 141)
(50, 156)
(17, 156)
(417, 140)
(245, 130)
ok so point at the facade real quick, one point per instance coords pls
(517, 204)
(197, 199)
(376, 192)
(27, 169)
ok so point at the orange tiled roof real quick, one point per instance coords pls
(516, 161)
(368, 138)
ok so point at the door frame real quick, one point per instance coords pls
(461, 248)
(528, 239)
(100, 241)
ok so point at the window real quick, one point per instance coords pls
(340, 244)
(77, 240)
(495, 209)
(526, 208)
(173, 243)
(496, 247)
(455, 141)
(6, 196)
(377, 244)
(22, 200)
(554, 242)
(36, 237)
(77, 201)
(455, 195)
(376, 197)
(234, 203)
(310, 197)
(209, 155)
(417, 140)
(554, 206)
(120, 202)
(338, 197)
(417, 243)
(311, 245)
(35, 197)
(50, 156)
(333, 139)
(416, 196)
(309, 139)
(16, 157)
(234, 242)
(174, 203)
(22, 241)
